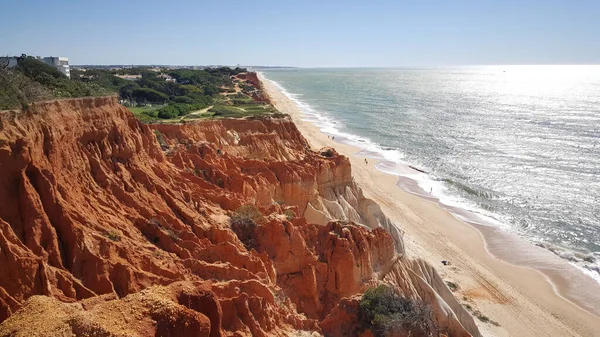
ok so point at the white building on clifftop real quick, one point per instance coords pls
(60, 63)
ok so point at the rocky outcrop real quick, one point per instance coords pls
(344, 319)
(182, 309)
(108, 219)
(418, 280)
(323, 190)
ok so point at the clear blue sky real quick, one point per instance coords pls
(304, 33)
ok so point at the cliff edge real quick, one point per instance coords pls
(112, 227)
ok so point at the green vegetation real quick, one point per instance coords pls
(171, 233)
(178, 109)
(57, 82)
(453, 286)
(160, 138)
(243, 222)
(32, 80)
(153, 95)
(17, 90)
(176, 92)
(289, 214)
(236, 111)
(385, 313)
(484, 318)
(480, 316)
(146, 113)
(146, 109)
(328, 153)
(113, 235)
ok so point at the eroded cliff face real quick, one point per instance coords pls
(123, 228)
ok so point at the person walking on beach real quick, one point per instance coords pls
(366, 162)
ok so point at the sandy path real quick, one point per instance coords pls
(519, 299)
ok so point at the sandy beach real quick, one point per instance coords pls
(520, 300)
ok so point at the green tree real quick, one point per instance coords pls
(168, 112)
(149, 95)
(126, 91)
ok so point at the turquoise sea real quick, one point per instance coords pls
(516, 147)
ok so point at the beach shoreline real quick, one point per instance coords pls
(521, 300)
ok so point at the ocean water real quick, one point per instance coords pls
(516, 147)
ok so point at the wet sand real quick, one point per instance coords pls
(521, 300)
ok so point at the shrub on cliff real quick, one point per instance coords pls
(328, 153)
(289, 214)
(385, 313)
(243, 222)
(17, 90)
(33, 80)
(55, 81)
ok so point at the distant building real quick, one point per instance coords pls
(167, 78)
(60, 63)
(8, 62)
(130, 77)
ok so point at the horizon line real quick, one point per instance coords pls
(338, 67)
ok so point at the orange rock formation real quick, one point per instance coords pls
(122, 228)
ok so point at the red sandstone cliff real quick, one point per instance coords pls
(123, 228)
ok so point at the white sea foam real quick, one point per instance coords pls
(591, 271)
(332, 127)
(588, 263)
(395, 163)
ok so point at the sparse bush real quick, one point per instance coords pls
(112, 235)
(453, 286)
(247, 88)
(173, 235)
(155, 222)
(16, 90)
(484, 318)
(289, 214)
(243, 222)
(385, 313)
(281, 298)
(170, 232)
(328, 153)
(160, 138)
